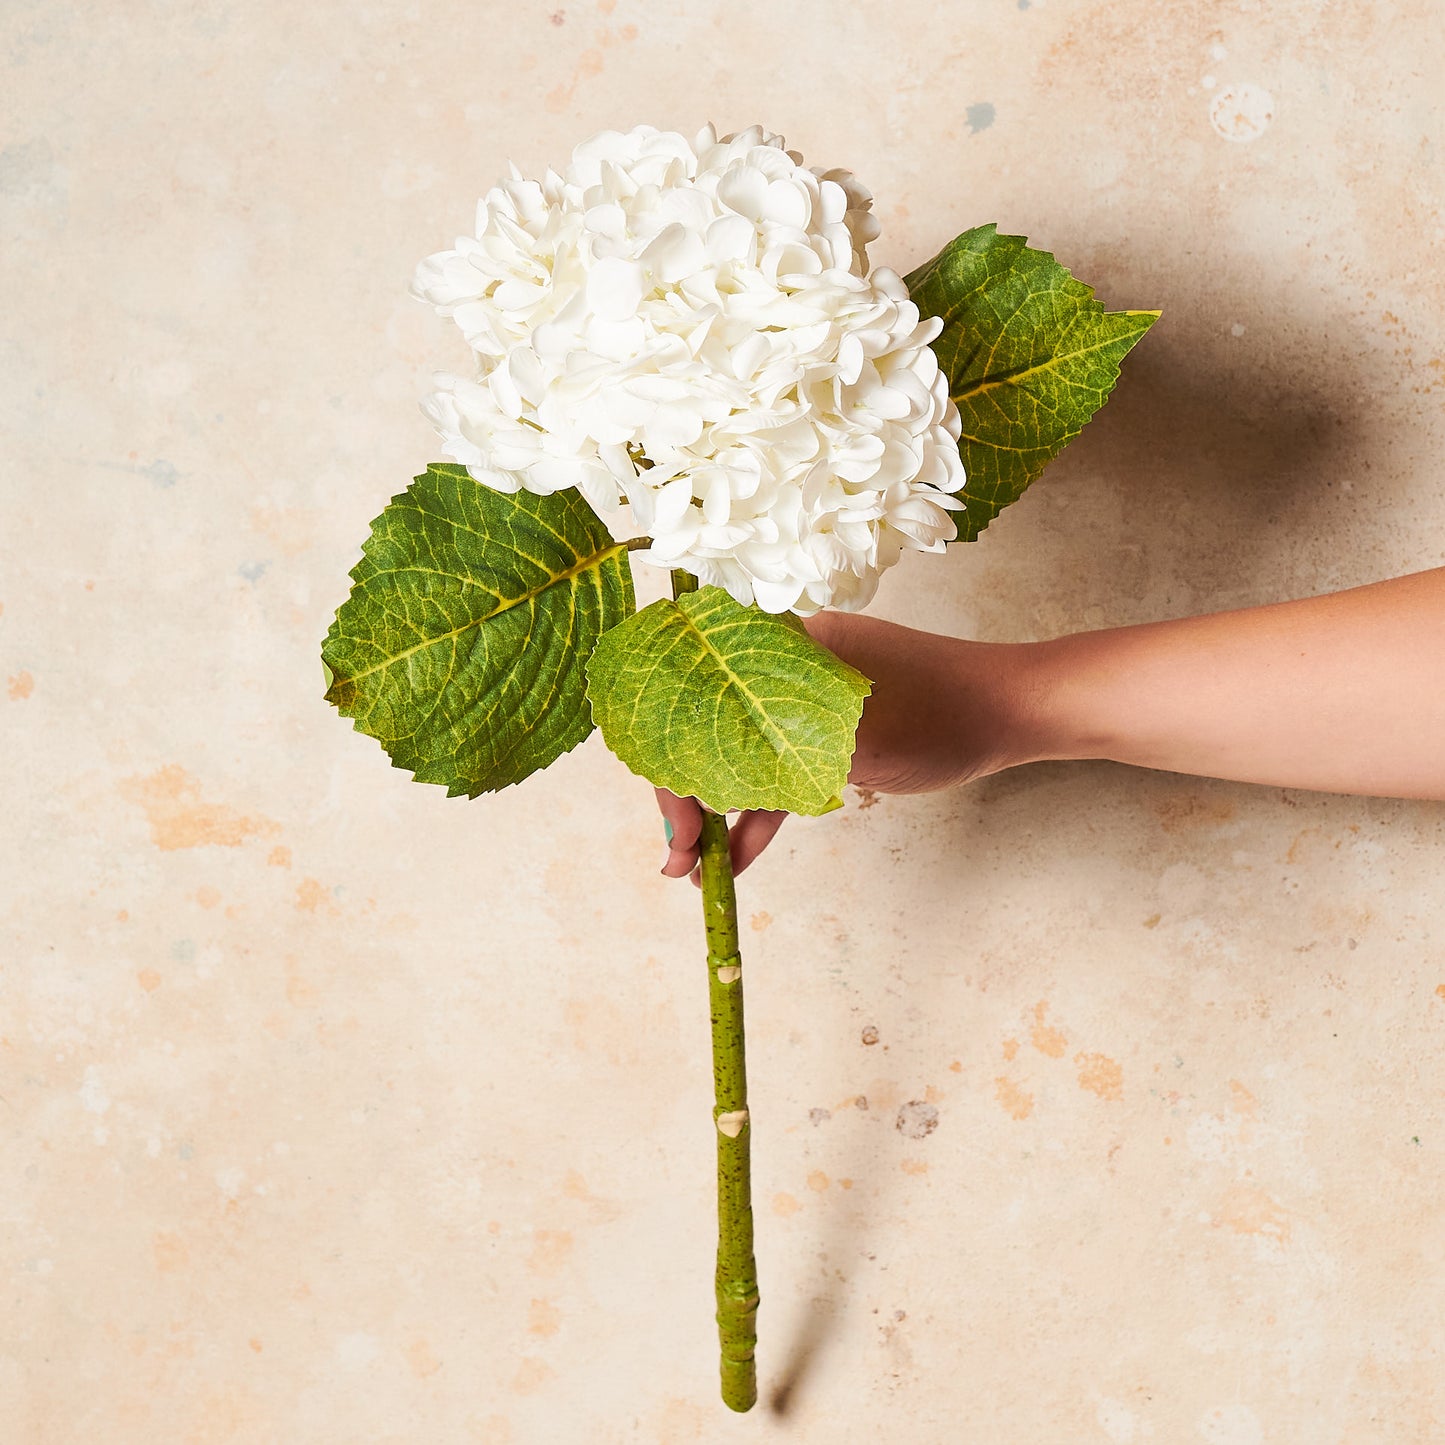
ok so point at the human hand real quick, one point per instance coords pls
(941, 713)
(1339, 693)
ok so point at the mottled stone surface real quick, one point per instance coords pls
(1089, 1104)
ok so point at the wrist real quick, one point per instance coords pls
(997, 702)
(1049, 717)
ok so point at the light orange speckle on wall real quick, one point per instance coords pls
(300, 992)
(310, 895)
(1010, 1049)
(148, 979)
(290, 529)
(207, 896)
(575, 1186)
(784, 1205)
(956, 1067)
(760, 920)
(817, 1181)
(279, 856)
(1440, 989)
(171, 800)
(170, 1253)
(494, 1430)
(1241, 1100)
(914, 1166)
(422, 1359)
(543, 1318)
(550, 1250)
(1046, 1039)
(531, 1375)
(20, 686)
(1100, 1075)
(331, 1034)
(1016, 1103)
(1191, 811)
(1248, 1210)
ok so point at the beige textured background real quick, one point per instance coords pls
(337, 1112)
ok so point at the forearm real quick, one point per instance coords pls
(1342, 693)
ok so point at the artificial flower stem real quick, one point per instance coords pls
(737, 1270)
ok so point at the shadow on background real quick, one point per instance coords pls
(839, 1242)
(1227, 458)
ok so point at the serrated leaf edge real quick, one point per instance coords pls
(596, 559)
(923, 273)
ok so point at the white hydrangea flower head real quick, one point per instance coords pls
(690, 329)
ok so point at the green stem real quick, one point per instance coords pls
(737, 1270)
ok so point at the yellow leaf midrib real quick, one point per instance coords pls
(755, 705)
(989, 383)
(505, 604)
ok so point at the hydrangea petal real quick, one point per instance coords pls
(689, 328)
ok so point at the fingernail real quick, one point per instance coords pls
(667, 830)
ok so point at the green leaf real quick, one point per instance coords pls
(727, 704)
(461, 648)
(1030, 356)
